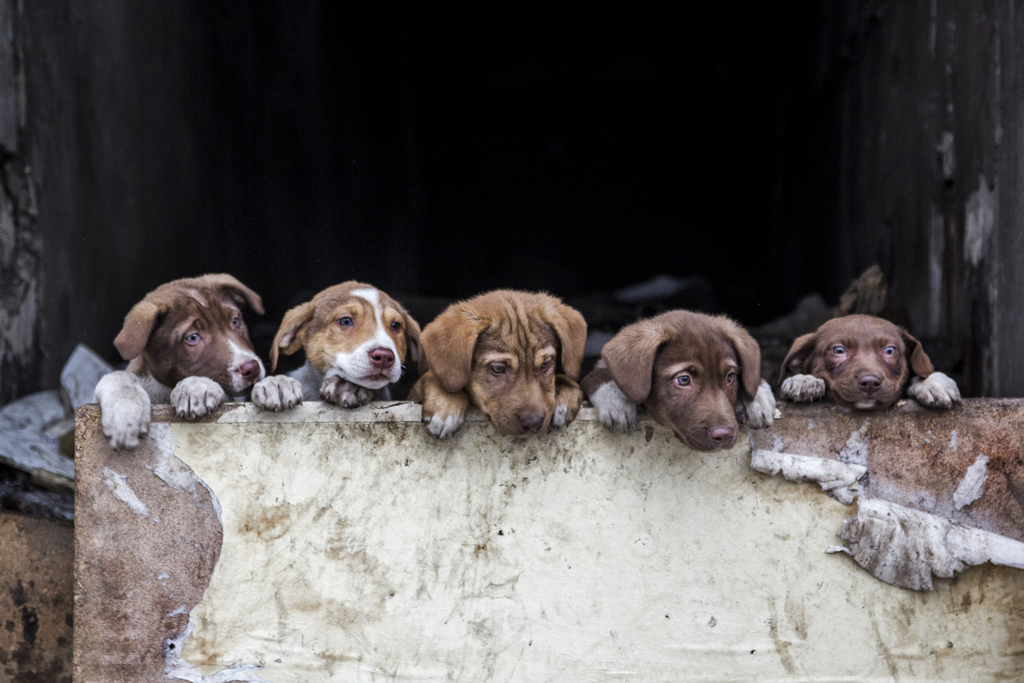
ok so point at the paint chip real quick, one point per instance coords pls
(973, 484)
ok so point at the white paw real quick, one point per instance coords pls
(760, 411)
(444, 427)
(125, 409)
(802, 388)
(560, 418)
(344, 393)
(937, 390)
(615, 411)
(196, 396)
(277, 393)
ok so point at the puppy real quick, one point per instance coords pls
(860, 362)
(187, 344)
(514, 355)
(698, 375)
(356, 338)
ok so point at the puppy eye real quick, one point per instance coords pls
(235, 322)
(545, 365)
(192, 339)
(838, 350)
(498, 369)
(730, 378)
(396, 327)
(345, 322)
(890, 350)
(683, 380)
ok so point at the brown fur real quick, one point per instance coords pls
(515, 355)
(154, 332)
(864, 340)
(718, 356)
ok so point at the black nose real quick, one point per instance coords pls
(869, 383)
(531, 423)
(722, 436)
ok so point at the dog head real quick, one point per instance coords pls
(504, 349)
(194, 328)
(353, 328)
(688, 369)
(865, 361)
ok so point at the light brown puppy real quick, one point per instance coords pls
(189, 346)
(696, 374)
(515, 355)
(860, 362)
(356, 339)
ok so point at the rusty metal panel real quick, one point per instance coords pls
(331, 545)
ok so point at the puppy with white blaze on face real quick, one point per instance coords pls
(356, 339)
(188, 345)
(698, 375)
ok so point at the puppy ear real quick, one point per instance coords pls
(749, 354)
(138, 325)
(920, 363)
(571, 329)
(630, 357)
(412, 337)
(287, 338)
(239, 292)
(799, 353)
(448, 345)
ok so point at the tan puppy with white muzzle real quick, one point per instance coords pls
(514, 355)
(189, 346)
(356, 339)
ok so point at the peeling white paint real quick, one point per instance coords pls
(856, 449)
(777, 445)
(981, 218)
(954, 441)
(945, 150)
(936, 270)
(837, 478)
(904, 547)
(973, 484)
(118, 485)
(177, 668)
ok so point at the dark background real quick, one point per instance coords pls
(773, 150)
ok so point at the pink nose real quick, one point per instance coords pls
(869, 383)
(382, 358)
(722, 436)
(249, 371)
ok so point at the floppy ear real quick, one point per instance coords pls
(412, 337)
(920, 363)
(287, 338)
(138, 325)
(239, 292)
(799, 352)
(571, 329)
(630, 357)
(448, 345)
(749, 354)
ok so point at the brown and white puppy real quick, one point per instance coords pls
(188, 345)
(515, 355)
(355, 337)
(860, 362)
(698, 375)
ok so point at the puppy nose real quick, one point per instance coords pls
(249, 370)
(531, 423)
(382, 358)
(869, 382)
(722, 436)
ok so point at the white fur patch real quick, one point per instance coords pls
(277, 393)
(803, 388)
(937, 390)
(124, 407)
(444, 427)
(196, 396)
(615, 411)
(560, 417)
(760, 411)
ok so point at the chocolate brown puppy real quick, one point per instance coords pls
(860, 362)
(698, 375)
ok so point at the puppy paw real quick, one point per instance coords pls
(344, 393)
(937, 390)
(615, 411)
(759, 412)
(277, 393)
(196, 396)
(802, 388)
(568, 400)
(443, 426)
(125, 409)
